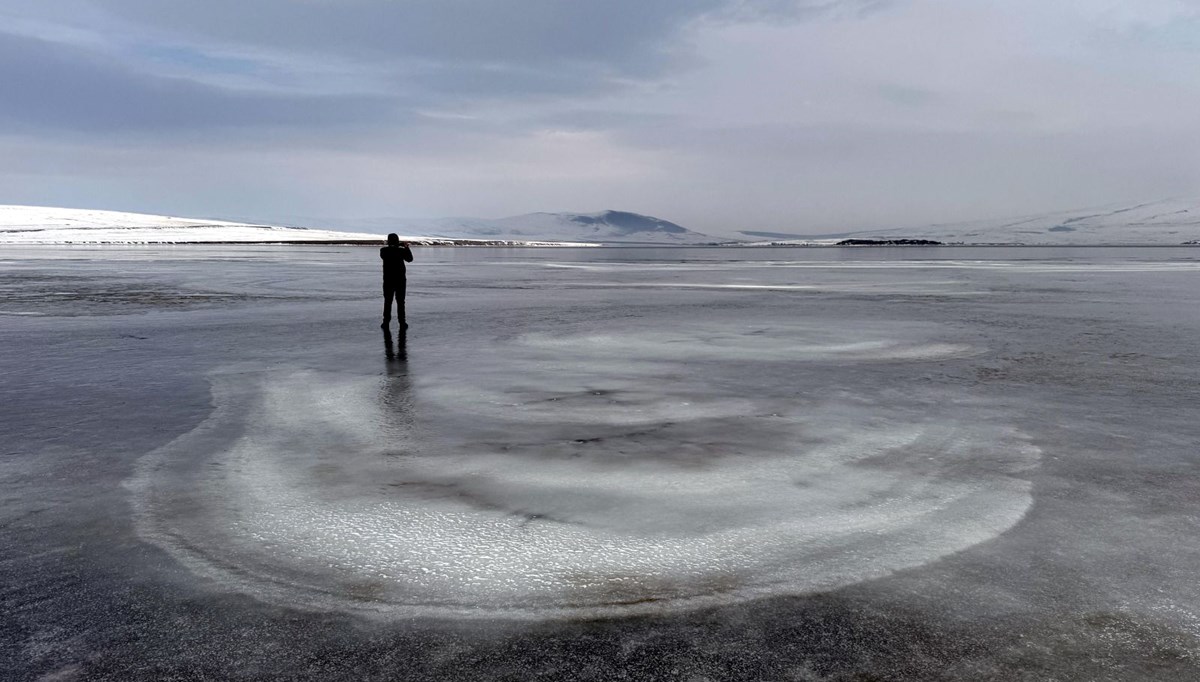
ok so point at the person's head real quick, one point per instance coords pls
(393, 240)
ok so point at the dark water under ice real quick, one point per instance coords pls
(913, 463)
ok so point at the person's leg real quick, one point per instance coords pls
(401, 286)
(388, 292)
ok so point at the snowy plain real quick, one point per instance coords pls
(934, 463)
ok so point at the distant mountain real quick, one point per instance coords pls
(606, 227)
(753, 234)
(1171, 221)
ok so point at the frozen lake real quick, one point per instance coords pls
(691, 464)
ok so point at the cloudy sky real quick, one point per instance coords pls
(803, 116)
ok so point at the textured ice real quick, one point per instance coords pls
(864, 342)
(586, 473)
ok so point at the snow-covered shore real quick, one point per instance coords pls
(39, 225)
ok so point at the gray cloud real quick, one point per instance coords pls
(149, 66)
(797, 10)
(146, 65)
(444, 82)
(459, 46)
(626, 35)
(908, 96)
(60, 87)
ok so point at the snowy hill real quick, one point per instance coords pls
(1171, 221)
(45, 225)
(608, 227)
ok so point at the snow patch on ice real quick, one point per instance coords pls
(779, 342)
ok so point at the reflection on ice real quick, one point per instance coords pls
(589, 474)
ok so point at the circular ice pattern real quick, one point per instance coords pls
(556, 478)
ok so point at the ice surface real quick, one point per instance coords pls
(903, 464)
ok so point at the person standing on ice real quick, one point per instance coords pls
(394, 256)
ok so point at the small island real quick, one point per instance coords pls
(888, 242)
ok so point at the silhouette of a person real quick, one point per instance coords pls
(394, 256)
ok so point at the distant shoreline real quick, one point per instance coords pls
(569, 245)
